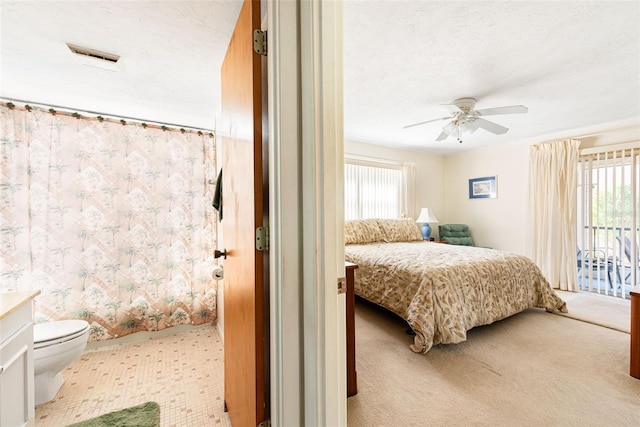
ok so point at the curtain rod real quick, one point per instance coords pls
(612, 147)
(371, 159)
(74, 112)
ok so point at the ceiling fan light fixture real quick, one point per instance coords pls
(464, 126)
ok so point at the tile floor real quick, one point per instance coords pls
(182, 371)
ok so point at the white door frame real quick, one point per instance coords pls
(308, 351)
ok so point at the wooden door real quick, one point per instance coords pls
(245, 195)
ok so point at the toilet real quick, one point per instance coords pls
(56, 345)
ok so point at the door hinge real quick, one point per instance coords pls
(342, 285)
(260, 42)
(262, 238)
(265, 423)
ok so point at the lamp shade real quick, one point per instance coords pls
(426, 216)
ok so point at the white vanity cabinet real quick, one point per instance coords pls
(16, 358)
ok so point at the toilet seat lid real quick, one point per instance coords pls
(49, 331)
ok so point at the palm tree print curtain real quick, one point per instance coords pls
(111, 221)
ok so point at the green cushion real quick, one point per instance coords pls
(463, 241)
(455, 234)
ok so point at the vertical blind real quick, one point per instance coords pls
(373, 190)
(608, 221)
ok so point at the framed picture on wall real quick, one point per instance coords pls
(483, 188)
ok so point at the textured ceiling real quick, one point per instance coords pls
(573, 64)
(170, 56)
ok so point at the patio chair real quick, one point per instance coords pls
(597, 261)
(625, 245)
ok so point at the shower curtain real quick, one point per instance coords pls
(111, 221)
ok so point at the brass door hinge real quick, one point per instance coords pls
(260, 42)
(342, 285)
(262, 238)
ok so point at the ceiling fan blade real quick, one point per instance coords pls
(425, 122)
(513, 109)
(451, 129)
(442, 136)
(491, 127)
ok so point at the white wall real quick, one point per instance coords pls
(497, 223)
(502, 223)
(429, 174)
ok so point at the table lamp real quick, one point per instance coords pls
(426, 217)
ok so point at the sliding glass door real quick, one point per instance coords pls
(608, 234)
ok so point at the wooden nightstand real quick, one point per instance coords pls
(634, 369)
(436, 241)
(352, 381)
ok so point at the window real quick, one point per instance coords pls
(376, 189)
(608, 221)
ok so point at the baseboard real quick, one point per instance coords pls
(145, 335)
(220, 331)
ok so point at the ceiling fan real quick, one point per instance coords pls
(464, 118)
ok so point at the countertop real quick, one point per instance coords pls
(10, 301)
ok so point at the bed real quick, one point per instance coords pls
(441, 290)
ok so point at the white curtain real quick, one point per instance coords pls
(553, 203)
(409, 172)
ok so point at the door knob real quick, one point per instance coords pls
(218, 254)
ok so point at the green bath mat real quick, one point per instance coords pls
(145, 415)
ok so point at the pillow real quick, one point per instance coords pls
(462, 241)
(359, 231)
(400, 230)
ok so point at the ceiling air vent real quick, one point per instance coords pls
(93, 53)
(95, 58)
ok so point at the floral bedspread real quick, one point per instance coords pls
(443, 290)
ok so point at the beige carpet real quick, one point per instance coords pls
(602, 310)
(533, 369)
